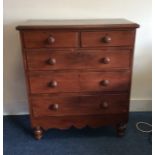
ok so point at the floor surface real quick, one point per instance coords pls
(18, 139)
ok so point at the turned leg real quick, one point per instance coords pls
(121, 127)
(38, 133)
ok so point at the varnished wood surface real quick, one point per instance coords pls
(75, 82)
(78, 72)
(93, 121)
(78, 59)
(75, 105)
(117, 38)
(78, 24)
(40, 39)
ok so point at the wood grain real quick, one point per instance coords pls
(78, 72)
(79, 59)
(75, 104)
(117, 38)
(77, 81)
(40, 39)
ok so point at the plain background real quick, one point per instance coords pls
(18, 11)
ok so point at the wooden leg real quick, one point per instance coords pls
(121, 129)
(38, 133)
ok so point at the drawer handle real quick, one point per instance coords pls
(51, 40)
(104, 82)
(54, 107)
(105, 60)
(106, 39)
(104, 105)
(53, 84)
(51, 61)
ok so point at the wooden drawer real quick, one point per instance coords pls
(48, 39)
(104, 81)
(51, 82)
(107, 38)
(81, 59)
(78, 104)
(59, 81)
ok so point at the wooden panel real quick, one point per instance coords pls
(48, 39)
(75, 104)
(66, 122)
(51, 82)
(80, 59)
(77, 24)
(107, 38)
(59, 81)
(105, 81)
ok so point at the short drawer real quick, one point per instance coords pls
(107, 38)
(52, 82)
(48, 39)
(81, 59)
(105, 81)
(78, 104)
(60, 81)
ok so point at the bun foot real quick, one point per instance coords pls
(121, 129)
(38, 133)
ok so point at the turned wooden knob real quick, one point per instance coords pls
(104, 105)
(54, 107)
(51, 40)
(51, 61)
(104, 82)
(53, 84)
(106, 60)
(106, 39)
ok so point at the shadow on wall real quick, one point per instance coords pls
(15, 97)
(142, 73)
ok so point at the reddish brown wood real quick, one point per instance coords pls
(40, 82)
(80, 24)
(79, 59)
(107, 38)
(113, 81)
(75, 104)
(38, 133)
(78, 74)
(66, 122)
(48, 39)
(62, 81)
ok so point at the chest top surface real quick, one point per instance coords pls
(77, 24)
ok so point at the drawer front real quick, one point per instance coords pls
(107, 38)
(57, 81)
(75, 104)
(48, 39)
(82, 59)
(52, 82)
(105, 81)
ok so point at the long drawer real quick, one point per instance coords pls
(72, 81)
(80, 59)
(78, 104)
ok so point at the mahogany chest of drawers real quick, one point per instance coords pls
(78, 72)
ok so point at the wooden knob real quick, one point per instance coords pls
(54, 107)
(51, 61)
(104, 105)
(51, 40)
(106, 60)
(53, 84)
(107, 39)
(105, 82)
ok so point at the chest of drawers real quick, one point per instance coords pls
(78, 72)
